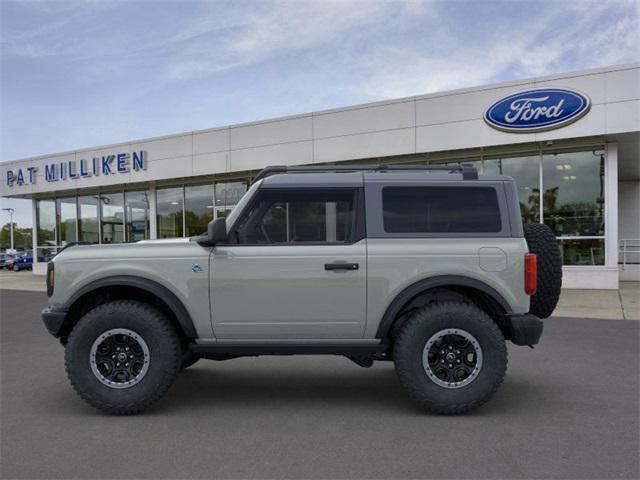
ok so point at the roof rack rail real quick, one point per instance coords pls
(469, 172)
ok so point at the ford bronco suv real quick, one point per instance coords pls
(430, 267)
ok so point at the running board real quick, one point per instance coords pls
(238, 349)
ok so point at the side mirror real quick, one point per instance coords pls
(217, 231)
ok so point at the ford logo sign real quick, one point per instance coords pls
(537, 110)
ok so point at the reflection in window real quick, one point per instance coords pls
(88, 221)
(112, 217)
(299, 217)
(67, 220)
(137, 215)
(198, 209)
(169, 203)
(582, 252)
(227, 195)
(526, 172)
(46, 218)
(574, 193)
(440, 210)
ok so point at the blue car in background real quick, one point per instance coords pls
(22, 262)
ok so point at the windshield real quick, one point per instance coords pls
(233, 215)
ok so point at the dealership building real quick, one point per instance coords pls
(571, 142)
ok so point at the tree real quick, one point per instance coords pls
(22, 237)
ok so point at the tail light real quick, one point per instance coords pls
(530, 273)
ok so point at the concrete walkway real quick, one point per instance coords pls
(614, 304)
(23, 280)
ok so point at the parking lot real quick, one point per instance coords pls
(568, 409)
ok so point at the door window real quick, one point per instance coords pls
(298, 217)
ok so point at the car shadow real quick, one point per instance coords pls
(307, 389)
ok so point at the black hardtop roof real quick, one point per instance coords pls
(355, 175)
(468, 171)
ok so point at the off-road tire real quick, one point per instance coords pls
(543, 243)
(410, 342)
(16, 268)
(165, 356)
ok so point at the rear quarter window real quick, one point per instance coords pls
(432, 209)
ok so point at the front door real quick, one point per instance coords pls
(295, 268)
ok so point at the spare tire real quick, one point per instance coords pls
(543, 243)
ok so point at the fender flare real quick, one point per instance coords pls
(150, 286)
(420, 286)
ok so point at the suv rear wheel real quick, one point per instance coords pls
(450, 356)
(123, 356)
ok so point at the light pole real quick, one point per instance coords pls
(10, 210)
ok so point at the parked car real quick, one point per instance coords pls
(6, 258)
(22, 262)
(433, 271)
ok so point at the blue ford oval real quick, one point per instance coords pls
(537, 110)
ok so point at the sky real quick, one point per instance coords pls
(88, 73)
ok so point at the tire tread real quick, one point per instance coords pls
(163, 327)
(403, 364)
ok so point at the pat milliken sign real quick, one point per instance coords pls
(104, 165)
(537, 110)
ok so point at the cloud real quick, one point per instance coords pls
(271, 29)
(557, 39)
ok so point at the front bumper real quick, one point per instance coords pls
(525, 329)
(54, 319)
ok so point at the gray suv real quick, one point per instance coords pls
(430, 267)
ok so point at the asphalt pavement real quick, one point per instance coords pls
(568, 409)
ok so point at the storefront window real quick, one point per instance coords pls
(88, 221)
(112, 217)
(67, 220)
(574, 193)
(46, 217)
(582, 251)
(137, 215)
(198, 208)
(526, 172)
(227, 195)
(169, 203)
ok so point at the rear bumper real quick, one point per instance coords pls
(525, 329)
(53, 319)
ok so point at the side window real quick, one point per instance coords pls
(441, 210)
(298, 217)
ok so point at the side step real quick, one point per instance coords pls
(237, 349)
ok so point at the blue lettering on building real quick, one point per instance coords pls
(72, 169)
(32, 174)
(51, 172)
(139, 160)
(106, 164)
(122, 163)
(537, 110)
(83, 168)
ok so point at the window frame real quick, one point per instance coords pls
(358, 224)
(391, 189)
(375, 219)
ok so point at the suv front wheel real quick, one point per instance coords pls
(450, 356)
(123, 356)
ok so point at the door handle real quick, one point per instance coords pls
(341, 266)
